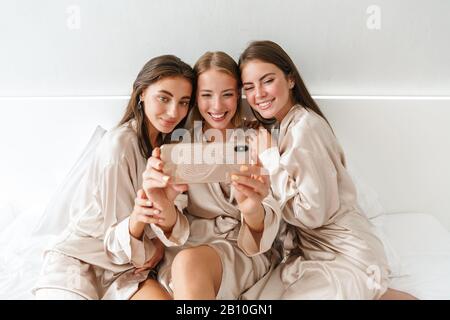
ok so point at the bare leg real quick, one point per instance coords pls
(392, 294)
(196, 274)
(151, 290)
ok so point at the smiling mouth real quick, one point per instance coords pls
(168, 123)
(218, 116)
(265, 105)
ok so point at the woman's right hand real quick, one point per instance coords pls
(161, 192)
(154, 178)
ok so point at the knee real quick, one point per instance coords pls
(186, 261)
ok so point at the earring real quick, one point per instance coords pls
(291, 85)
(140, 105)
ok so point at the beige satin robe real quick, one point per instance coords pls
(96, 256)
(215, 221)
(328, 248)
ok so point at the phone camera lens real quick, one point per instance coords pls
(242, 148)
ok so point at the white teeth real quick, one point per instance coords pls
(217, 116)
(265, 105)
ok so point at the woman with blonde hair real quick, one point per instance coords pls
(232, 226)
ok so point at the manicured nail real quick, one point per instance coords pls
(156, 211)
(166, 178)
(160, 220)
(244, 168)
(149, 203)
(234, 177)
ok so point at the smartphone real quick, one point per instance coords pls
(207, 162)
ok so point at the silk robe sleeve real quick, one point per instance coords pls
(115, 194)
(180, 231)
(246, 241)
(304, 176)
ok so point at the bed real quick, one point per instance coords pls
(417, 241)
(419, 255)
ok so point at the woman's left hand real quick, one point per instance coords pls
(250, 192)
(260, 140)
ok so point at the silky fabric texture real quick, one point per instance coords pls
(328, 248)
(215, 221)
(96, 250)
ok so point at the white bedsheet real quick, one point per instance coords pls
(423, 247)
(420, 242)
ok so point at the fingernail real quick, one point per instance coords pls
(149, 203)
(234, 177)
(156, 211)
(166, 178)
(160, 220)
(244, 168)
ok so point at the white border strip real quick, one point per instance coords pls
(318, 97)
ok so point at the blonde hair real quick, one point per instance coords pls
(221, 62)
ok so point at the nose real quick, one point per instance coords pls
(260, 92)
(217, 104)
(173, 110)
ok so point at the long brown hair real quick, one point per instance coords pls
(270, 52)
(222, 62)
(154, 70)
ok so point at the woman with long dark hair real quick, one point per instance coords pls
(328, 247)
(108, 251)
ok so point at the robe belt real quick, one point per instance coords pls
(227, 226)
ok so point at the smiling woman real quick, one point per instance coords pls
(108, 250)
(163, 107)
(227, 244)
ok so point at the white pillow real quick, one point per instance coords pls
(370, 205)
(368, 200)
(56, 215)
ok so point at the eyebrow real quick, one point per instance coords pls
(166, 92)
(170, 94)
(267, 74)
(207, 90)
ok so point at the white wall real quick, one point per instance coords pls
(41, 139)
(329, 39)
(401, 148)
(402, 145)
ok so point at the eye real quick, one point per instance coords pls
(205, 95)
(268, 81)
(248, 88)
(163, 99)
(184, 103)
(228, 94)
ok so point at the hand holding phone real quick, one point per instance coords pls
(207, 162)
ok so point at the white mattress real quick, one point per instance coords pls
(419, 252)
(422, 245)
